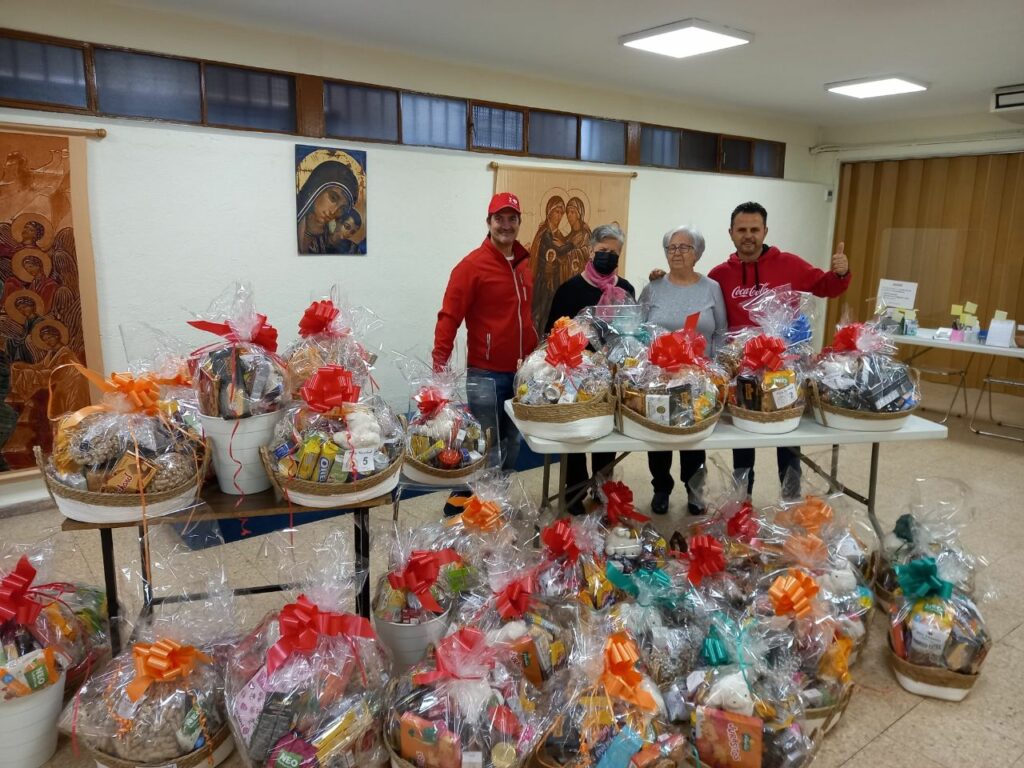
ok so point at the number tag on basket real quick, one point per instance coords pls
(785, 397)
(363, 460)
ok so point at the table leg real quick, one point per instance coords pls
(110, 583)
(834, 474)
(563, 464)
(361, 531)
(545, 503)
(981, 394)
(872, 488)
(147, 574)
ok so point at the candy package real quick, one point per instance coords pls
(242, 375)
(48, 628)
(306, 687)
(563, 371)
(331, 332)
(467, 706)
(336, 434)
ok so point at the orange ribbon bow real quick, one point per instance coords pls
(482, 516)
(140, 394)
(621, 678)
(793, 593)
(811, 515)
(807, 549)
(161, 662)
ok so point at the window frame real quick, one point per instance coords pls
(524, 111)
(398, 108)
(49, 106)
(445, 97)
(579, 120)
(295, 97)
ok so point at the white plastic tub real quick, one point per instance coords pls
(409, 642)
(236, 447)
(28, 727)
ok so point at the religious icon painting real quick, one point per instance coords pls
(330, 200)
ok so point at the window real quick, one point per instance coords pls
(603, 141)
(41, 72)
(361, 112)
(552, 134)
(769, 159)
(140, 85)
(497, 128)
(249, 98)
(659, 146)
(433, 121)
(699, 151)
(736, 155)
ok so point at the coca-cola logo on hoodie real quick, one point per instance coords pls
(749, 292)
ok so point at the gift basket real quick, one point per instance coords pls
(767, 392)
(161, 701)
(306, 687)
(331, 333)
(857, 384)
(607, 711)
(631, 543)
(467, 706)
(414, 600)
(563, 390)
(618, 332)
(122, 460)
(938, 640)
(52, 635)
(335, 447)
(240, 386)
(672, 394)
(445, 443)
(573, 549)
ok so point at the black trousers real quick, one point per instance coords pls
(788, 462)
(660, 464)
(576, 469)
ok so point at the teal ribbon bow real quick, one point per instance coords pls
(655, 581)
(713, 649)
(920, 578)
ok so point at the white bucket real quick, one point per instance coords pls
(579, 431)
(244, 445)
(840, 421)
(28, 727)
(766, 427)
(409, 642)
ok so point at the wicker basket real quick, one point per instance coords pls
(424, 474)
(818, 721)
(93, 507)
(859, 421)
(632, 424)
(310, 493)
(568, 423)
(220, 746)
(931, 681)
(766, 422)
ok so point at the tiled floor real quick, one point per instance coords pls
(884, 727)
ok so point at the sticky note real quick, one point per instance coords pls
(971, 308)
(999, 315)
(910, 314)
(958, 309)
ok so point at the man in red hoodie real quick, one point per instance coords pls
(749, 272)
(491, 289)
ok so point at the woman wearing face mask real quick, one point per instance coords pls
(667, 302)
(598, 284)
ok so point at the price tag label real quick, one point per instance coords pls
(364, 460)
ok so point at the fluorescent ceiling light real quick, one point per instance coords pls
(869, 87)
(690, 37)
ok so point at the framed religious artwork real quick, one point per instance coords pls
(330, 200)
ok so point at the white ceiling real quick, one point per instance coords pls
(963, 49)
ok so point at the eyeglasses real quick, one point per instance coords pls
(681, 248)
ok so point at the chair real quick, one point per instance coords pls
(987, 384)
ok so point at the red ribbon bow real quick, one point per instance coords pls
(329, 388)
(18, 601)
(565, 348)
(463, 655)
(764, 353)
(265, 335)
(671, 351)
(742, 525)
(514, 599)
(420, 574)
(846, 338)
(620, 504)
(302, 624)
(560, 539)
(706, 558)
(430, 400)
(317, 318)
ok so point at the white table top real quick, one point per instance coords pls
(924, 339)
(727, 436)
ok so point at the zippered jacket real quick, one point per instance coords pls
(494, 296)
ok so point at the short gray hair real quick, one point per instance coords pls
(686, 229)
(608, 232)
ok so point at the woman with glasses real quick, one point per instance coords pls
(667, 302)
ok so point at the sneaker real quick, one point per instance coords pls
(577, 508)
(659, 503)
(695, 510)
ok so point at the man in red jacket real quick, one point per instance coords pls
(749, 272)
(492, 290)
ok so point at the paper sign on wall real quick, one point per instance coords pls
(897, 293)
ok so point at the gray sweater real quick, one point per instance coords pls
(669, 305)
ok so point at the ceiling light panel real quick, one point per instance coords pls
(869, 88)
(690, 37)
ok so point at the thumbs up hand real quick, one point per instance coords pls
(840, 264)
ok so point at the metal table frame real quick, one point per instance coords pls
(216, 505)
(727, 436)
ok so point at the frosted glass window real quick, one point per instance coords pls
(140, 85)
(552, 135)
(359, 112)
(432, 121)
(603, 141)
(249, 98)
(497, 128)
(659, 146)
(50, 74)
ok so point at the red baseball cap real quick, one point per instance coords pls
(504, 200)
